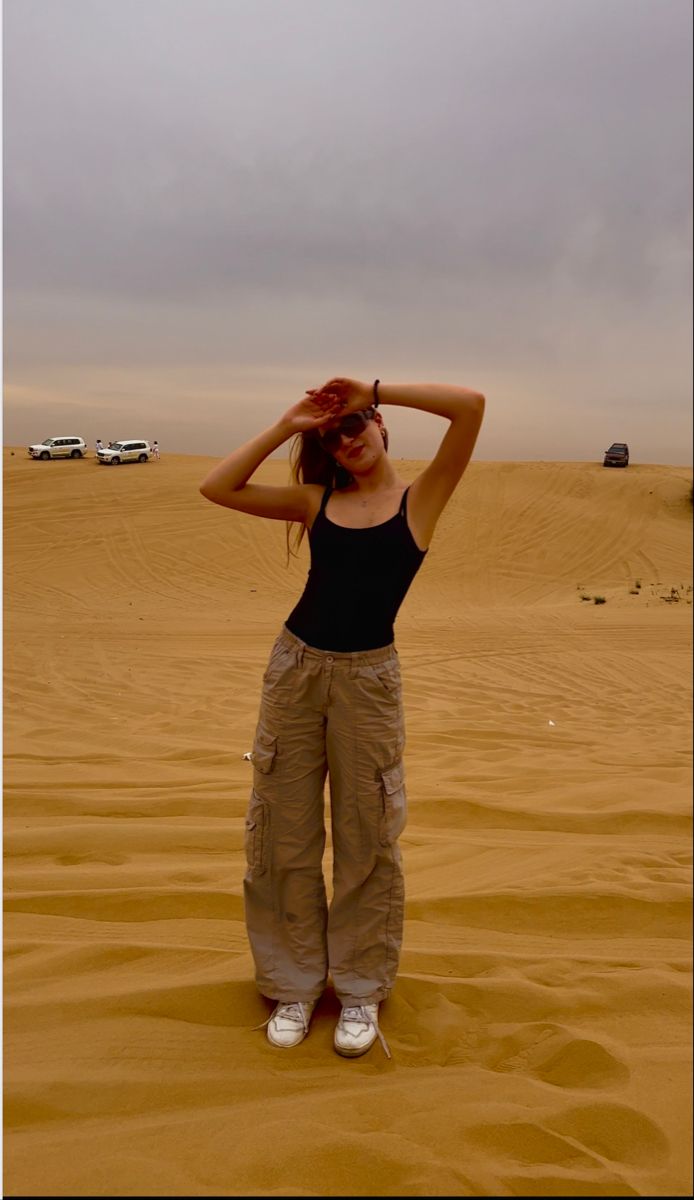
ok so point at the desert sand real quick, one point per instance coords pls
(541, 1023)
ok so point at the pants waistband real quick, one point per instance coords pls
(381, 654)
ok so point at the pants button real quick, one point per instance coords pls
(330, 658)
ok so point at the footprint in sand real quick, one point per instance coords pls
(583, 1140)
(555, 1055)
(189, 877)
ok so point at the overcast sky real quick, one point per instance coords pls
(210, 205)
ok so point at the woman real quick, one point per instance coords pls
(331, 701)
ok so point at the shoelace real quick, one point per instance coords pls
(360, 1014)
(296, 1011)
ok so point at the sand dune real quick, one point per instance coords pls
(541, 1025)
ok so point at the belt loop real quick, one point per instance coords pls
(300, 656)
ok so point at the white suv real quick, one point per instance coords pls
(59, 447)
(122, 452)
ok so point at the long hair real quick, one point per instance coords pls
(309, 462)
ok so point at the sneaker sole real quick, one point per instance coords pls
(356, 1053)
(285, 1045)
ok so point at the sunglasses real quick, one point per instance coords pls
(351, 425)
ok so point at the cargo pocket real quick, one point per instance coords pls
(264, 752)
(394, 814)
(387, 675)
(281, 657)
(255, 836)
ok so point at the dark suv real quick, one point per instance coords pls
(617, 455)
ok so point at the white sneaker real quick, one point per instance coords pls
(357, 1030)
(289, 1023)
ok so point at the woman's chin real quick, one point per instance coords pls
(359, 462)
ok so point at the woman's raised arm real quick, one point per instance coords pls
(433, 488)
(227, 483)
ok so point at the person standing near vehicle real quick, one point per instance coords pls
(331, 702)
(155, 450)
(99, 445)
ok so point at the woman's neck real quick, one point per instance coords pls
(381, 478)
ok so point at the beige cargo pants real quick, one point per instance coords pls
(339, 715)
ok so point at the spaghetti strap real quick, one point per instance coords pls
(403, 503)
(326, 496)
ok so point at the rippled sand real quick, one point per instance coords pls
(541, 1024)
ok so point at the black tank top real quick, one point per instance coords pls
(357, 582)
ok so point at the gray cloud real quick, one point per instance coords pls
(499, 183)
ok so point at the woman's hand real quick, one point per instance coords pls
(310, 413)
(351, 394)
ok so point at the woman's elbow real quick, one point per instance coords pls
(472, 398)
(207, 491)
(472, 404)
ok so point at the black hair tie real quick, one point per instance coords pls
(376, 383)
